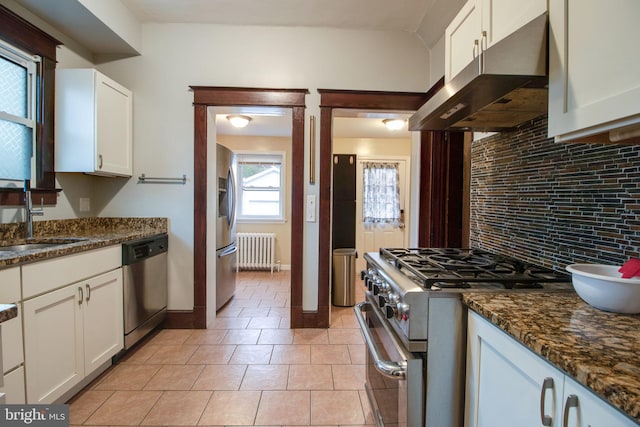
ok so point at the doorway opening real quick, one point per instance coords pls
(204, 98)
(333, 101)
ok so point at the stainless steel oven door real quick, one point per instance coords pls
(394, 376)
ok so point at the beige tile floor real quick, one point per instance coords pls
(247, 369)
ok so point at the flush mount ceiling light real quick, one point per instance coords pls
(394, 124)
(238, 121)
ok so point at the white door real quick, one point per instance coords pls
(372, 238)
(103, 322)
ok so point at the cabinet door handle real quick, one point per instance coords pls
(483, 48)
(483, 41)
(99, 161)
(81, 294)
(572, 402)
(476, 48)
(88, 292)
(547, 384)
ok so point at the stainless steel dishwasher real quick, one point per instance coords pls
(144, 264)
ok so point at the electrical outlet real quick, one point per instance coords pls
(311, 208)
(85, 204)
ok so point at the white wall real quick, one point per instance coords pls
(175, 56)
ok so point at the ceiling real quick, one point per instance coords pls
(402, 15)
(267, 121)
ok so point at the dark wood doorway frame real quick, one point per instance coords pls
(345, 99)
(207, 96)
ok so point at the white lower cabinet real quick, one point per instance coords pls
(584, 409)
(12, 355)
(70, 332)
(509, 385)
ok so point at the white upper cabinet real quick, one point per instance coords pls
(93, 132)
(482, 23)
(594, 69)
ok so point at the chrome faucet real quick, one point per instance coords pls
(29, 210)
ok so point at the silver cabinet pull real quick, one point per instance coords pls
(476, 48)
(88, 291)
(80, 293)
(483, 48)
(395, 370)
(572, 402)
(99, 161)
(547, 384)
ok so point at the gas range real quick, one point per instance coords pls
(401, 282)
(415, 325)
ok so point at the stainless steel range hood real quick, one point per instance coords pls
(499, 90)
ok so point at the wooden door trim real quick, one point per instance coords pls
(331, 99)
(207, 96)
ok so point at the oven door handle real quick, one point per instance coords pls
(394, 370)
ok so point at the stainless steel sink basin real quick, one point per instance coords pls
(43, 244)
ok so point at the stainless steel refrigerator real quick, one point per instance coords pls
(226, 247)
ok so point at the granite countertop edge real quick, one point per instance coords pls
(8, 312)
(597, 349)
(87, 235)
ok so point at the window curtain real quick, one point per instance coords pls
(381, 198)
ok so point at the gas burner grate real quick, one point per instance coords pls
(468, 268)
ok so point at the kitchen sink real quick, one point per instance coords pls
(41, 244)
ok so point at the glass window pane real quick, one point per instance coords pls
(16, 145)
(13, 88)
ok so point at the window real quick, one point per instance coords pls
(261, 186)
(381, 198)
(22, 38)
(17, 115)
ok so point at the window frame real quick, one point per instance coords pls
(18, 32)
(31, 63)
(281, 217)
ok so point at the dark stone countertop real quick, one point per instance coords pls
(7, 312)
(83, 234)
(598, 349)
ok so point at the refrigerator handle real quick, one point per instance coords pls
(229, 251)
(231, 191)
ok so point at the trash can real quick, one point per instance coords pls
(344, 275)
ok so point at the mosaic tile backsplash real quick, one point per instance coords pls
(555, 204)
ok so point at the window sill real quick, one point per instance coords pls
(15, 196)
(261, 221)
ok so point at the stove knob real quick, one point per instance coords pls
(381, 301)
(384, 287)
(402, 311)
(363, 275)
(389, 311)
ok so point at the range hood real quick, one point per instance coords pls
(501, 89)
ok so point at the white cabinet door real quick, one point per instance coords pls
(102, 317)
(484, 22)
(113, 127)
(460, 37)
(506, 382)
(584, 409)
(93, 124)
(13, 387)
(594, 75)
(54, 355)
(503, 17)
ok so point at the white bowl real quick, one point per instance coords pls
(603, 287)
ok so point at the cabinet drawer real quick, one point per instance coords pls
(45, 276)
(12, 355)
(10, 289)
(14, 386)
